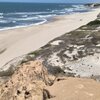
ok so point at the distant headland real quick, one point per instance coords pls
(93, 5)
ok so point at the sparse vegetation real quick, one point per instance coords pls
(8, 72)
(34, 52)
(56, 71)
(95, 22)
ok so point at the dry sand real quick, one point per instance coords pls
(16, 42)
(75, 89)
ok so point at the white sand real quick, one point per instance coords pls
(24, 40)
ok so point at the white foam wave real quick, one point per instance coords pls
(28, 18)
(62, 12)
(9, 28)
(42, 22)
(4, 21)
(33, 18)
(69, 9)
(46, 16)
(14, 21)
(79, 7)
(24, 16)
(75, 8)
(53, 11)
(1, 13)
(26, 13)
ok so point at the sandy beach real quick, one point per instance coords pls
(20, 41)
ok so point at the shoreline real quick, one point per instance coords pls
(51, 19)
(20, 41)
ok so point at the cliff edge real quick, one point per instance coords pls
(32, 81)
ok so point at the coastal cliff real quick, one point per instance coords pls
(27, 83)
(67, 64)
(32, 81)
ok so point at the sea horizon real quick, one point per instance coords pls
(41, 2)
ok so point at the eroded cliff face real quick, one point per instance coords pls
(27, 83)
(32, 81)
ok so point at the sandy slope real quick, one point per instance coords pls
(75, 89)
(20, 41)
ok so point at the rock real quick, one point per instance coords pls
(27, 83)
(46, 94)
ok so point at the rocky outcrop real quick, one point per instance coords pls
(27, 83)
(32, 81)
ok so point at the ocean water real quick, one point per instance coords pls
(13, 15)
